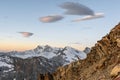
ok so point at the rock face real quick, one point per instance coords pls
(115, 71)
(102, 63)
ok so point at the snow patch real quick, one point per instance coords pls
(5, 62)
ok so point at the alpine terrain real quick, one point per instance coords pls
(102, 62)
(29, 64)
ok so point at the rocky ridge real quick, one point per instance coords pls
(102, 63)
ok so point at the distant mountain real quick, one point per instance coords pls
(41, 60)
(68, 54)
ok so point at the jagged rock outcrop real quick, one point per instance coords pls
(102, 62)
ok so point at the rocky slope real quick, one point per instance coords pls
(102, 63)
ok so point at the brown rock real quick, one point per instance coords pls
(102, 62)
(118, 42)
(118, 78)
(115, 70)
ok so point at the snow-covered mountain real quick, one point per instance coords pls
(69, 54)
(42, 59)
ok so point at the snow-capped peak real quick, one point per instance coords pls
(72, 54)
(45, 48)
(69, 54)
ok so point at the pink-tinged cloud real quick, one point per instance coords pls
(51, 18)
(26, 34)
(89, 17)
(73, 8)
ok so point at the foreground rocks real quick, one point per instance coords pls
(102, 62)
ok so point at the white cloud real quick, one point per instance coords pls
(26, 34)
(51, 18)
(89, 17)
(76, 9)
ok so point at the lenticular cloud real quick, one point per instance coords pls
(76, 9)
(26, 34)
(89, 17)
(51, 18)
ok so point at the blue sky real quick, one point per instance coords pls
(24, 16)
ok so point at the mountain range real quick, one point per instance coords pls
(41, 60)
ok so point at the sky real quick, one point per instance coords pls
(24, 24)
